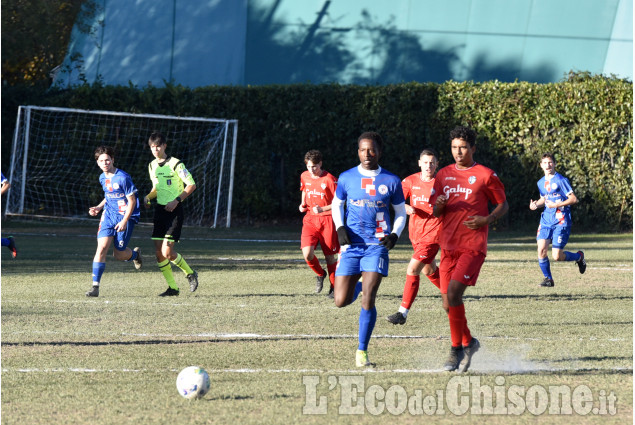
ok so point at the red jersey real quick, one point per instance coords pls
(468, 191)
(318, 192)
(423, 226)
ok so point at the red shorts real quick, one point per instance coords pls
(425, 252)
(319, 228)
(462, 266)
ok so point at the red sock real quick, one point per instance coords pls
(467, 336)
(410, 290)
(315, 266)
(331, 268)
(434, 278)
(457, 324)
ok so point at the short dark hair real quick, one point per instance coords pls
(314, 156)
(548, 155)
(464, 133)
(108, 150)
(157, 138)
(429, 152)
(375, 137)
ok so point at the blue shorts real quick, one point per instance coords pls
(354, 259)
(558, 235)
(107, 229)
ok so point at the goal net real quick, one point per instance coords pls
(54, 173)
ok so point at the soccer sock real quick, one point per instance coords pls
(331, 268)
(434, 278)
(545, 267)
(98, 270)
(367, 319)
(315, 266)
(181, 264)
(458, 324)
(166, 269)
(133, 256)
(358, 289)
(410, 290)
(467, 335)
(571, 256)
(5, 241)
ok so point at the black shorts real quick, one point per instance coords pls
(167, 225)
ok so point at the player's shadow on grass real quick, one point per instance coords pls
(592, 359)
(549, 297)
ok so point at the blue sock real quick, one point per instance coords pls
(545, 267)
(98, 270)
(134, 256)
(367, 319)
(5, 241)
(571, 256)
(358, 289)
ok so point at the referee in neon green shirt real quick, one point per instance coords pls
(171, 185)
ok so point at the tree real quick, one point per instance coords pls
(35, 34)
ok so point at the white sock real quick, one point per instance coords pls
(403, 311)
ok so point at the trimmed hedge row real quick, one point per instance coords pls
(585, 121)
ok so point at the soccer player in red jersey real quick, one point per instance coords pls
(423, 230)
(318, 188)
(461, 195)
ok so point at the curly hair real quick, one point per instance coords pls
(464, 133)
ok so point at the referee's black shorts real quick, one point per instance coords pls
(167, 225)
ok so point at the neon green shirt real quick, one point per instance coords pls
(169, 177)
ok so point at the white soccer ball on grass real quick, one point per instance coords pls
(193, 382)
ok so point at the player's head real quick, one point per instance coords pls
(105, 157)
(463, 145)
(428, 161)
(548, 163)
(157, 143)
(369, 148)
(313, 161)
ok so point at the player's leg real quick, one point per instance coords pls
(543, 239)
(163, 262)
(99, 260)
(410, 290)
(330, 247)
(308, 241)
(122, 252)
(10, 243)
(561, 237)
(169, 250)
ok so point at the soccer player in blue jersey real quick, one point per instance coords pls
(557, 196)
(8, 242)
(361, 214)
(121, 211)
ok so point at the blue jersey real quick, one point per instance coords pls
(367, 201)
(116, 190)
(3, 179)
(555, 190)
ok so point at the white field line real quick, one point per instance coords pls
(473, 370)
(292, 337)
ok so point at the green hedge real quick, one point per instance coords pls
(586, 121)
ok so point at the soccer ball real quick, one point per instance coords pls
(192, 382)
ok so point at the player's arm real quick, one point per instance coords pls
(318, 209)
(187, 191)
(5, 186)
(303, 206)
(571, 199)
(477, 221)
(534, 205)
(132, 204)
(97, 208)
(337, 213)
(439, 205)
(150, 196)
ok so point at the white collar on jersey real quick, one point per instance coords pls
(368, 173)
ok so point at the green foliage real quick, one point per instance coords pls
(586, 121)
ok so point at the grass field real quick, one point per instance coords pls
(279, 353)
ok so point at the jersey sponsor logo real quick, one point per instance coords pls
(450, 178)
(383, 189)
(108, 185)
(368, 203)
(458, 189)
(368, 186)
(315, 193)
(471, 179)
(420, 200)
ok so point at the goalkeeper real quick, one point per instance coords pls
(171, 185)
